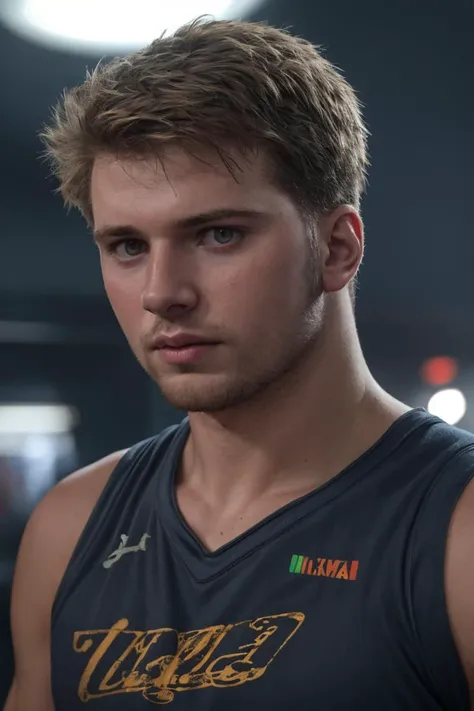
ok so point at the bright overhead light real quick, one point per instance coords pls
(449, 405)
(36, 419)
(111, 25)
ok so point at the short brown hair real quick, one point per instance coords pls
(218, 84)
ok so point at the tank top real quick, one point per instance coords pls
(335, 602)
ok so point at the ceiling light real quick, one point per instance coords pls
(108, 26)
(449, 405)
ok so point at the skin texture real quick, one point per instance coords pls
(248, 283)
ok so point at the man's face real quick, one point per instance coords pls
(247, 282)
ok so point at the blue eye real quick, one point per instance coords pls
(222, 236)
(130, 248)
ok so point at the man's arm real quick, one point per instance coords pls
(10, 703)
(459, 581)
(47, 545)
(32, 596)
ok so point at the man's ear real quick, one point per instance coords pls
(341, 237)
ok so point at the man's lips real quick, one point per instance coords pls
(187, 354)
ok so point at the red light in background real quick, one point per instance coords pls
(439, 371)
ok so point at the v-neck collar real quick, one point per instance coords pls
(204, 564)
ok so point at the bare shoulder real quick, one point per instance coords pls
(59, 519)
(82, 489)
(459, 575)
(46, 547)
(66, 508)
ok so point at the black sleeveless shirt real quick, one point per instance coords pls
(333, 603)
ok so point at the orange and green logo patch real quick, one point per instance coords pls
(324, 567)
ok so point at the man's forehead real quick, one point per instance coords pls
(177, 165)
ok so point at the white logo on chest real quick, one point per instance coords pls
(123, 549)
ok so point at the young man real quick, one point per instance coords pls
(302, 539)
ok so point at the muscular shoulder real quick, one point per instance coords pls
(46, 547)
(82, 488)
(459, 574)
(67, 507)
(57, 522)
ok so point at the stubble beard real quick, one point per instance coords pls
(252, 379)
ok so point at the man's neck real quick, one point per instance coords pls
(294, 437)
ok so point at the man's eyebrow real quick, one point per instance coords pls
(126, 231)
(203, 218)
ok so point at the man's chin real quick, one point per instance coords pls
(196, 402)
(210, 395)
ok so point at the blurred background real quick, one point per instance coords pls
(70, 389)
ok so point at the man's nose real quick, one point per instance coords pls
(169, 286)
